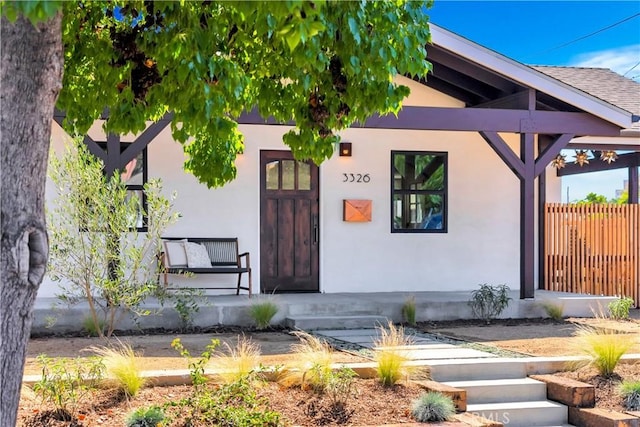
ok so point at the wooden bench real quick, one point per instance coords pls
(224, 258)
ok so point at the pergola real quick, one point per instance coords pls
(500, 95)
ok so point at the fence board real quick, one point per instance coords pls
(593, 249)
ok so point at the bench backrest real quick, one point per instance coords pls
(223, 251)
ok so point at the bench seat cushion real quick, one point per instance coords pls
(197, 256)
(176, 255)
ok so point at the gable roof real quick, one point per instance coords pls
(470, 54)
(603, 83)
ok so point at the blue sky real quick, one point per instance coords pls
(553, 33)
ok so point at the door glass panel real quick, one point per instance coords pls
(272, 175)
(304, 176)
(288, 175)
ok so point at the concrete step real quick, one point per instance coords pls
(506, 390)
(479, 369)
(522, 414)
(310, 323)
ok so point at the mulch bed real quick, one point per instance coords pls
(370, 404)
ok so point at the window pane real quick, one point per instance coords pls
(137, 220)
(418, 211)
(272, 175)
(418, 172)
(304, 176)
(132, 174)
(288, 175)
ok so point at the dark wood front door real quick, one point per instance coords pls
(289, 233)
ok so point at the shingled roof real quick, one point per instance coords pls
(602, 83)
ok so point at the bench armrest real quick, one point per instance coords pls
(247, 262)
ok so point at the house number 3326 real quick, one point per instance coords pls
(356, 177)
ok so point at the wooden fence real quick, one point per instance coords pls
(593, 249)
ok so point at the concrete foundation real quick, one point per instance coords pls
(51, 316)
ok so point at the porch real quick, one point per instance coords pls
(334, 308)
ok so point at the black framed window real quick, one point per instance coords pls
(418, 192)
(134, 175)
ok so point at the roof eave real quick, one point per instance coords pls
(529, 77)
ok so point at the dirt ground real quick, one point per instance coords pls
(536, 337)
(158, 353)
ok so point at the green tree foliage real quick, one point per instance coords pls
(323, 65)
(592, 199)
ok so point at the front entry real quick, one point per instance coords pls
(289, 233)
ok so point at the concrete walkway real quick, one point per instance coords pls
(422, 346)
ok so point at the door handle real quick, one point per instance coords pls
(316, 234)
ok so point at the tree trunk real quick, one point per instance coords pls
(30, 80)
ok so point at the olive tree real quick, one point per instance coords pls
(97, 253)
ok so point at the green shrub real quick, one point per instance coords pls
(433, 407)
(146, 417)
(603, 347)
(66, 382)
(409, 311)
(619, 308)
(391, 356)
(311, 364)
(262, 312)
(630, 392)
(91, 328)
(122, 367)
(553, 310)
(489, 302)
(236, 362)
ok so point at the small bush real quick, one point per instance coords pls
(489, 302)
(237, 362)
(91, 328)
(409, 311)
(553, 310)
(196, 365)
(603, 348)
(146, 417)
(66, 382)
(390, 355)
(630, 392)
(122, 367)
(262, 313)
(433, 406)
(311, 364)
(619, 308)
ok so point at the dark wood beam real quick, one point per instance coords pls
(603, 147)
(544, 142)
(143, 140)
(441, 86)
(505, 152)
(440, 56)
(551, 151)
(464, 81)
(527, 217)
(95, 149)
(515, 101)
(627, 160)
(633, 185)
(478, 119)
(113, 154)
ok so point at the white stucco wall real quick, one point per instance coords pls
(481, 245)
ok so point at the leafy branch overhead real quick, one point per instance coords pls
(323, 65)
